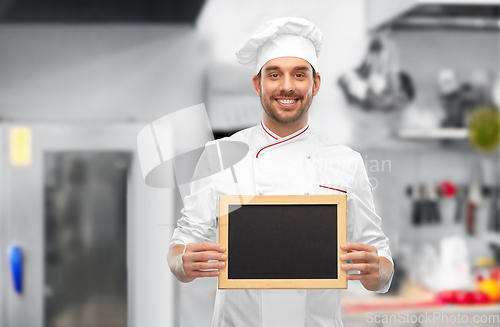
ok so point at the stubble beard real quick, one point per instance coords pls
(274, 114)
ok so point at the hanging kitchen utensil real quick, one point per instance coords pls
(378, 84)
(496, 252)
(447, 191)
(474, 199)
(354, 83)
(460, 204)
(416, 214)
(449, 92)
(390, 88)
(494, 214)
(426, 206)
(434, 213)
(378, 79)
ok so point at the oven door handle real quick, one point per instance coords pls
(16, 267)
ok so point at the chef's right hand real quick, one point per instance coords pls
(196, 256)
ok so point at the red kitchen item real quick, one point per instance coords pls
(447, 296)
(479, 297)
(463, 297)
(447, 189)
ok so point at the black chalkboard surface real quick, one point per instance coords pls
(283, 241)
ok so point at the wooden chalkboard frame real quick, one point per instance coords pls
(339, 200)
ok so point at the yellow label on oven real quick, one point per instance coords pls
(20, 146)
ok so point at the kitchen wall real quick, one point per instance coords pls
(94, 75)
(423, 52)
(98, 73)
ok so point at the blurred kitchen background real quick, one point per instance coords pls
(413, 85)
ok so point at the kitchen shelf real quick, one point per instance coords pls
(435, 134)
(460, 2)
(408, 13)
(448, 22)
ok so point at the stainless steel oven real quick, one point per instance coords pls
(79, 227)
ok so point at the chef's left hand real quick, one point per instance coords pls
(374, 271)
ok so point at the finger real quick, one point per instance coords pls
(357, 247)
(197, 273)
(357, 276)
(364, 277)
(206, 246)
(355, 261)
(359, 256)
(208, 265)
(362, 267)
(205, 256)
(358, 261)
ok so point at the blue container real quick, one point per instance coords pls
(16, 267)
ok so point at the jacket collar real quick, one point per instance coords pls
(272, 137)
(274, 140)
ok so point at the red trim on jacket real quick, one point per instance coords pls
(331, 188)
(280, 142)
(267, 131)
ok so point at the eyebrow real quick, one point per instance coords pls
(277, 67)
(271, 68)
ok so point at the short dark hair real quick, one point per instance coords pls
(314, 73)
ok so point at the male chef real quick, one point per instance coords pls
(286, 156)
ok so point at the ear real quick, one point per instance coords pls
(256, 84)
(317, 83)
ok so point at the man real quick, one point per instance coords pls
(285, 157)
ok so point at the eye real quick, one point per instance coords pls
(300, 75)
(274, 75)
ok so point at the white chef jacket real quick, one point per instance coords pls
(301, 163)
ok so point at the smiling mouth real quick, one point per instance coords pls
(287, 102)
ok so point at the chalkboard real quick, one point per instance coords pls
(278, 241)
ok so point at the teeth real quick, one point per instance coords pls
(286, 101)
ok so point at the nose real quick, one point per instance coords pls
(287, 84)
